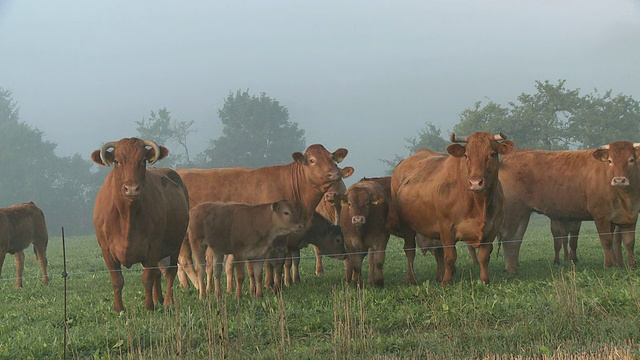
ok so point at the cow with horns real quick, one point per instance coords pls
(140, 216)
(455, 197)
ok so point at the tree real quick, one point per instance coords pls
(553, 118)
(603, 119)
(429, 137)
(62, 187)
(257, 132)
(161, 128)
(537, 121)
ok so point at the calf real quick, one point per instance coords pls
(323, 235)
(330, 210)
(246, 231)
(20, 226)
(364, 217)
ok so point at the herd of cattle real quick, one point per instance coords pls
(187, 222)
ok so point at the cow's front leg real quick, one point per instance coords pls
(295, 268)
(149, 278)
(484, 255)
(629, 240)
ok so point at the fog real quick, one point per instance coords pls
(357, 74)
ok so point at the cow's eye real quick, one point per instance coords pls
(286, 213)
(632, 160)
(610, 161)
(494, 154)
(466, 156)
(312, 161)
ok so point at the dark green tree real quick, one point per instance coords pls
(257, 132)
(602, 119)
(163, 129)
(62, 187)
(553, 118)
(537, 121)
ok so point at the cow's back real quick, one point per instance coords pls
(242, 185)
(21, 225)
(421, 187)
(559, 184)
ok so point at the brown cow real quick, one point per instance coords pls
(602, 185)
(20, 226)
(246, 231)
(398, 229)
(453, 198)
(363, 219)
(330, 210)
(323, 235)
(140, 216)
(303, 182)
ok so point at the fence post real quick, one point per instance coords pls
(64, 277)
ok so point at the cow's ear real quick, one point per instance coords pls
(343, 199)
(95, 157)
(347, 171)
(299, 158)
(505, 147)
(340, 154)
(456, 150)
(377, 200)
(601, 155)
(151, 155)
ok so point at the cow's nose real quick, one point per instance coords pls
(335, 175)
(131, 190)
(620, 181)
(358, 220)
(476, 184)
(329, 196)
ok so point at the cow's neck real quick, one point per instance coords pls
(627, 199)
(128, 213)
(305, 195)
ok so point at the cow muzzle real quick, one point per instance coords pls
(334, 175)
(297, 228)
(476, 184)
(620, 181)
(358, 220)
(131, 191)
(329, 196)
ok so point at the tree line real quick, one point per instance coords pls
(552, 118)
(257, 132)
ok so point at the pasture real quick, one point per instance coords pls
(545, 311)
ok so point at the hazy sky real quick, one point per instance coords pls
(363, 75)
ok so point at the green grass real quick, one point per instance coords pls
(544, 311)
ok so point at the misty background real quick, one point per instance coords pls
(356, 74)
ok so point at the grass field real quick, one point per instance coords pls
(545, 311)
